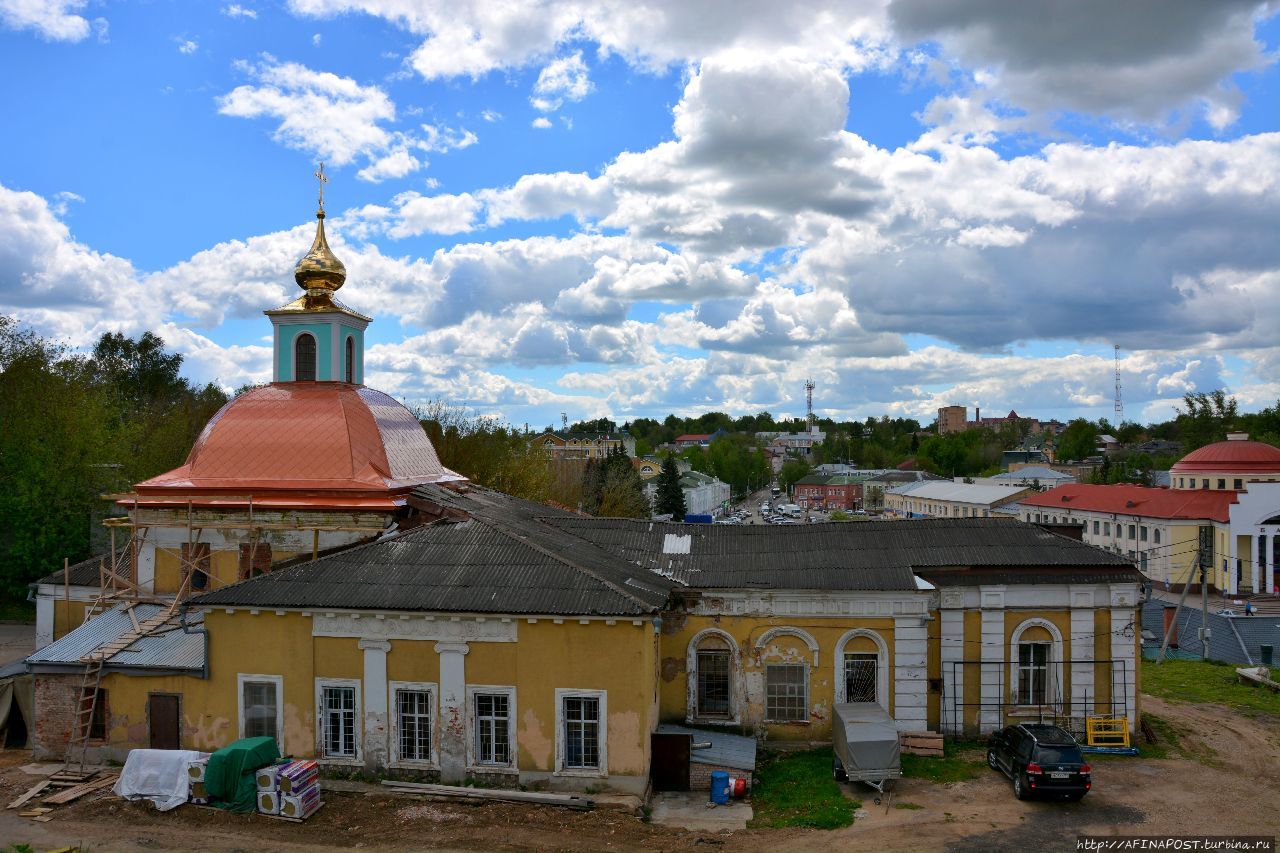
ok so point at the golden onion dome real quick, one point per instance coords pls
(320, 272)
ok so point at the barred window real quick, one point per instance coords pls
(413, 717)
(493, 744)
(581, 732)
(786, 693)
(713, 683)
(860, 677)
(338, 719)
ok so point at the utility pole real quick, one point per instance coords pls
(1173, 623)
(1205, 556)
(1119, 399)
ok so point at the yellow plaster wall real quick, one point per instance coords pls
(673, 684)
(67, 616)
(1102, 652)
(972, 674)
(341, 657)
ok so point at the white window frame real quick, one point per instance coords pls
(432, 762)
(602, 729)
(1030, 669)
(473, 764)
(805, 706)
(278, 681)
(355, 684)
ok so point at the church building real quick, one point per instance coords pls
(313, 573)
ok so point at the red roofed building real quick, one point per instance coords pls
(1164, 530)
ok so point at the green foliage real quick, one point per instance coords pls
(798, 789)
(1078, 440)
(1206, 682)
(1206, 419)
(908, 806)
(960, 454)
(839, 515)
(611, 487)
(669, 499)
(792, 470)
(488, 452)
(72, 428)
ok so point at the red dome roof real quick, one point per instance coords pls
(313, 437)
(1236, 457)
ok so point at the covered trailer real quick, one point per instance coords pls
(866, 744)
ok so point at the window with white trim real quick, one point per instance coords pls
(492, 727)
(860, 676)
(414, 709)
(713, 682)
(581, 732)
(339, 720)
(1033, 673)
(259, 702)
(786, 692)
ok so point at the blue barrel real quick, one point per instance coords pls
(719, 787)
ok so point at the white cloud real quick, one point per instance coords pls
(235, 10)
(187, 46)
(565, 79)
(491, 116)
(541, 123)
(55, 20)
(443, 214)
(316, 39)
(336, 119)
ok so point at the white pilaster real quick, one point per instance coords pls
(1124, 674)
(453, 711)
(993, 658)
(147, 567)
(377, 725)
(910, 674)
(1082, 688)
(335, 353)
(952, 717)
(44, 622)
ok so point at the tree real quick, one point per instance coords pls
(623, 494)
(1078, 441)
(669, 499)
(1207, 418)
(792, 470)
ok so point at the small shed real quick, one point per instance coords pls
(684, 758)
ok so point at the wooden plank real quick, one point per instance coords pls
(541, 798)
(29, 795)
(72, 794)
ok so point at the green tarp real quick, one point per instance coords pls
(229, 775)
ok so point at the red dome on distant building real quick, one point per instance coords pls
(318, 444)
(1236, 455)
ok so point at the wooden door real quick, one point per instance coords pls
(669, 763)
(162, 716)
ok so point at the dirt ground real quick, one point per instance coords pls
(1229, 783)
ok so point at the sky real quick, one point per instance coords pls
(629, 208)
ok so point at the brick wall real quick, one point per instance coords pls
(56, 701)
(700, 775)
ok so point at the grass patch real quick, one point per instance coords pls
(909, 806)
(798, 789)
(1206, 682)
(959, 766)
(1166, 745)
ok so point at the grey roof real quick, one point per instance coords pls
(171, 650)
(880, 555)
(1033, 472)
(726, 750)
(83, 573)
(975, 493)
(1234, 639)
(501, 559)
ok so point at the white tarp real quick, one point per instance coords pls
(158, 775)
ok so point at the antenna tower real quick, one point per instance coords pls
(808, 402)
(564, 420)
(1119, 399)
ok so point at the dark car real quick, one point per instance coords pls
(1041, 760)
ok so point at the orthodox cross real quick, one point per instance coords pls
(319, 173)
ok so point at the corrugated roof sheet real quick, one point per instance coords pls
(501, 560)
(966, 492)
(1127, 499)
(83, 573)
(172, 649)
(726, 750)
(878, 555)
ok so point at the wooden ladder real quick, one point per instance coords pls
(86, 706)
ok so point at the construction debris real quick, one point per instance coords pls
(454, 792)
(76, 792)
(922, 743)
(30, 794)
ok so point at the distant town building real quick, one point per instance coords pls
(582, 445)
(829, 491)
(698, 439)
(949, 499)
(703, 494)
(1223, 507)
(952, 419)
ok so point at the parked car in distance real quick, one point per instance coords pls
(1041, 759)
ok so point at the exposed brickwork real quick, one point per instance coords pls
(55, 699)
(700, 775)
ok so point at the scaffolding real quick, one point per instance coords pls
(118, 582)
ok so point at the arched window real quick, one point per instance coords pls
(351, 359)
(304, 358)
(714, 682)
(862, 668)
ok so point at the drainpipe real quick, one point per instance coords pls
(188, 629)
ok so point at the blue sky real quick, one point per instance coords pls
(631, 209)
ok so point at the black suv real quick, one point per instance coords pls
(1040, 759)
